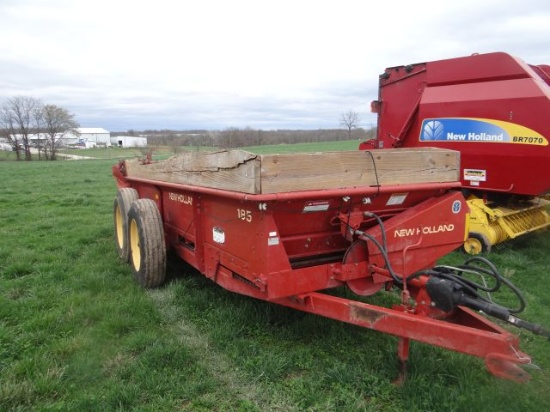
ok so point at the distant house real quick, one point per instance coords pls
(129, 141)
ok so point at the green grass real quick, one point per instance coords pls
(105, 153)
(77, 334)
(162, 152)
(305, 147)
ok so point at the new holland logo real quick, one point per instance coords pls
(425, 230)
(432, 130)
(463, 129)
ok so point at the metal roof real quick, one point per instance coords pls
(92, 130)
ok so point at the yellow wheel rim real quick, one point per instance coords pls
(135, 248)
(473, 246)
(119, 228)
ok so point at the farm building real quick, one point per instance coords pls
(84, 137)
(129, 141)
(5, 146)
(93, 136)
(39, 139)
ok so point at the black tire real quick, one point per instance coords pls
(146, 241)
(475, 244)
(123, 201)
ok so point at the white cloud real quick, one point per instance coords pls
(164, 64)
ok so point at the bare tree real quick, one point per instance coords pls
(229, 138)
(350, 121)
(175, 146)
(9, 129)
(57, 122)
(18, 115)
(38, 122)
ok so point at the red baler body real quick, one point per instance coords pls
(493, 108)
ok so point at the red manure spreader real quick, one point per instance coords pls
(285, 228)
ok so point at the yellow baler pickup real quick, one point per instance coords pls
(491, 224)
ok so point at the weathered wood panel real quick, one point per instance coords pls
(290, 172)
(242, 171)
(234, 170)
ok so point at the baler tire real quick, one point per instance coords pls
(482, 244)
(122, 203)
(147, 245)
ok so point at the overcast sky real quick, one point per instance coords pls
(213, 64)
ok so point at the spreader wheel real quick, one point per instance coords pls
(356, 253)
(476, 243)
(147, 247)
(123, 200)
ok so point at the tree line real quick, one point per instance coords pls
(234, 137)
(22, 117)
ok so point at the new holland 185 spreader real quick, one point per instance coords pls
(285, 228)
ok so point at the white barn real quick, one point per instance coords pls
(129, 141)
(94, 136)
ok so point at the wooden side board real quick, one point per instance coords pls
(284, 173)
(234, 170)
(242, 171)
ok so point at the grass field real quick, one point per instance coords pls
(161, 152)
(77, 334)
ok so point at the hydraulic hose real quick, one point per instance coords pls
(448, 288)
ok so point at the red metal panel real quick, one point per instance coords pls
(475, 68)
(543, 70)
(422, 234)
(274, 245)
(179, 216)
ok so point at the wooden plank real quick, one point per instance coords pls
(234, 170)
(329, 170)
(242, 171)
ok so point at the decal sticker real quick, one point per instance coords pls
(464, 129)
(178, 197)
(396, 199)
(475, 175)
(457, 206)
(273, 239)
(218, 235)
(316, 206)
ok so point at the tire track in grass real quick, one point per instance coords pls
(232, 382)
